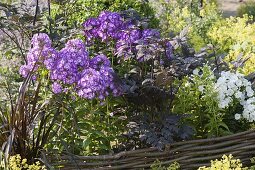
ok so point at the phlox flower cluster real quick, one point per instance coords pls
(71, 60)
(231, 86)
(72, 67)
(98, 80)
(249, 109)
(39, 54)
(111, 26)
(105, 27)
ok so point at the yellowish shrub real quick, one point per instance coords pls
(226, 163)
(236, 37)
(17, 163)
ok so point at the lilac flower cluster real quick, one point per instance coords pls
(98, 80)
(111, 26)
(72, 67)
(106, 26)
(72, 58)
(40, 53)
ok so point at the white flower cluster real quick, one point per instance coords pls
(249, 109)
(232, 86)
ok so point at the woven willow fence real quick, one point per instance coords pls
(189, 154)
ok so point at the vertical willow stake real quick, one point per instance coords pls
(49, 15)
(36, 11)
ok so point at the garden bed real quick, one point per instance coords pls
(189, 154)
(150, 83)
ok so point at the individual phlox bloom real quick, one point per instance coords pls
(100, 61)
(91, 27)
(147, 33)
(237, 116)
(56, 88)
(196, 71)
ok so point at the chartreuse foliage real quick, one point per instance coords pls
(227, 163)
(15, 162)
(236, 37)
(181, 14)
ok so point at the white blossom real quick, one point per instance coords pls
(195, 72)
(201, 88)
(237, 116)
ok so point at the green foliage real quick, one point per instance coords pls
(248, 8)
(96, 127)
(74, 13)
(157, 165)
(197, 98)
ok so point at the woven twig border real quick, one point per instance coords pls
(190, 154)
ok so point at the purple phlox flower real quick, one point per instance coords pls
(38, 55)
(91, 27)
(150, 33)
(71, 61)
(41, 40)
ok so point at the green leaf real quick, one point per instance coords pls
(222, 124)
(86, 143)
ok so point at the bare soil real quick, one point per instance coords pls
(229, 7)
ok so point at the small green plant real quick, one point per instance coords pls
(157, 165)
(247, 8)
(196, 97)
(252, 162)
